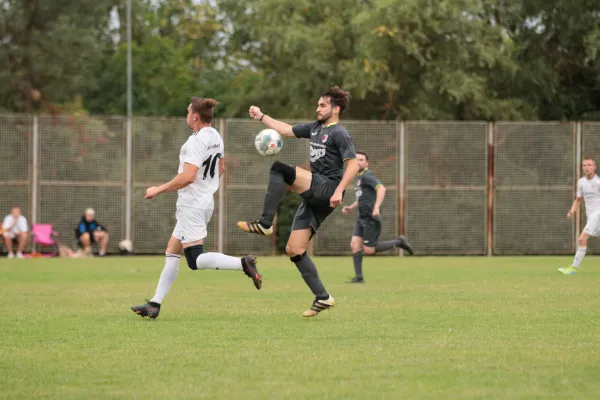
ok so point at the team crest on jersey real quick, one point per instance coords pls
(324, 138)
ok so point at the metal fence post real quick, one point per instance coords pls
(490, 190)
(128, 177)
(577, 175)
(221, 215)
(401, 134)
(35, 157)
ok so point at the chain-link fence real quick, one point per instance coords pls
(452, 187)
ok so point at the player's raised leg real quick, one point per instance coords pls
(280, 176)
(224, 262)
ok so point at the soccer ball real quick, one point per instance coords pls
(268, 142)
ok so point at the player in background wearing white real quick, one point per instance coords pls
(588, 190)
(196, 183)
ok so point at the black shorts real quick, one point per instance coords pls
(369, 229)
(315, 204)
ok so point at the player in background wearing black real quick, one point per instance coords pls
(321, 188)
(365, 236)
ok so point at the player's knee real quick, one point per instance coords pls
(191, 254)
(293, 250)
(582, 241)
(287, 171)
(355, 247)
(369, 250)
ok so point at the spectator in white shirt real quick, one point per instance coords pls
(15, 228)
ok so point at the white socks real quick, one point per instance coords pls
(218, 261)
(579, 256)
(204, 261)
(167, 277)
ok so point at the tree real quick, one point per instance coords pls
(47, 49)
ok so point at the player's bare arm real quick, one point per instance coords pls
(350, 208)
(574, 207)
(221, 166)
(378, 199)
(349, 174)
(180, 181)
(281, 127)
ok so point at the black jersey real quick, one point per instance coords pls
(330, 146)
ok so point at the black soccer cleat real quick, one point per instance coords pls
(149, 309)
(403, 244)
(356, 279)
(249, 267)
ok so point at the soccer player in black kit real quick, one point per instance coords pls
(321, 188)
(365, 236)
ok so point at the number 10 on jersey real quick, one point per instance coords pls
(210, 164)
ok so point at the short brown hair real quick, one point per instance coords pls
(204, 108)
(589, 159)
(338, 97)
(364, 154)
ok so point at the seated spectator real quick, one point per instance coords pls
(15, 230)
(90, 231)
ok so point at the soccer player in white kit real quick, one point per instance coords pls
(588, 189)
(196, 182)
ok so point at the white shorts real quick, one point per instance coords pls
(592, 227)
(13, 232)
(191, 224)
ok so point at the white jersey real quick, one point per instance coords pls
(20, 226)
(589, 189)
(203, 149)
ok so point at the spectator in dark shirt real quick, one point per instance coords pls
(90, 231)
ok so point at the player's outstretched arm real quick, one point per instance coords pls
(281, 127)
(180, 181)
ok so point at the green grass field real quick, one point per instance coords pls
(421, 328)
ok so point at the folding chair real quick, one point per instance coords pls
(44, 235)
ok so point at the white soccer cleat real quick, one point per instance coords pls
(318, 306)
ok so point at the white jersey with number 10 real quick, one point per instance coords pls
(203, 149)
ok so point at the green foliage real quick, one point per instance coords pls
(48, 48)
(409, 59)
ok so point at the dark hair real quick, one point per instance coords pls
(588, 158)
(363, 153)
(338, 97)
(204, 108)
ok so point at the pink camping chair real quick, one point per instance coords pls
(44, 235)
